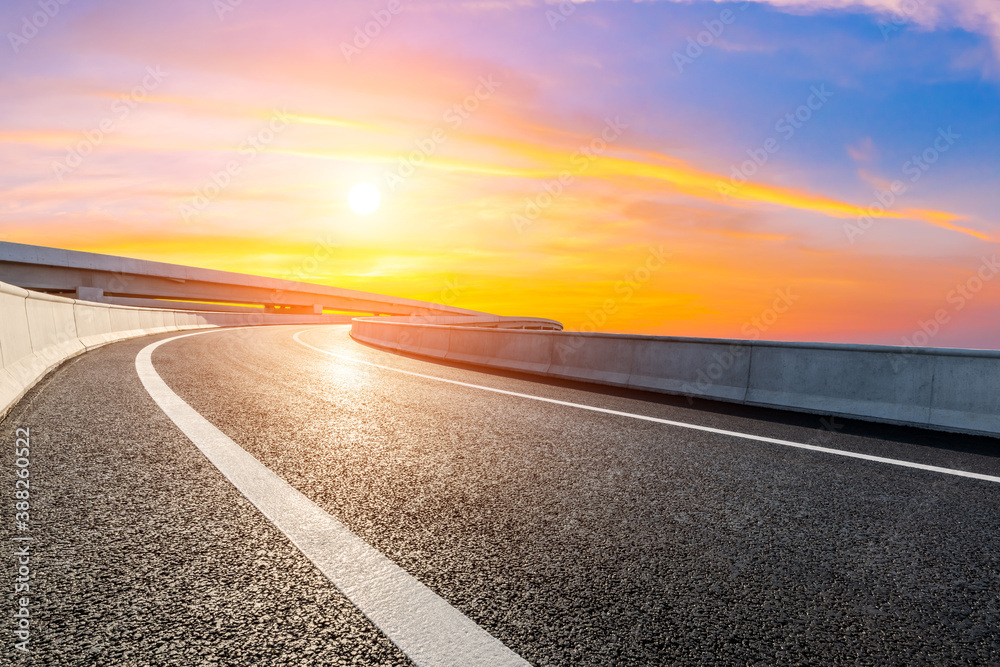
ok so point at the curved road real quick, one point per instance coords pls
(571, 536)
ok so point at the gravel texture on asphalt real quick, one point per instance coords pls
(143, 554)
(584, 538)
(574, 537)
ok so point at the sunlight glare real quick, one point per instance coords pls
(364, 199)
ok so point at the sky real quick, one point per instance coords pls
(812, 170)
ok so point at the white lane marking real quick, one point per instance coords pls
(695, 427)
(423, 625)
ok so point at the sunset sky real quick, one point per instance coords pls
(655, 167)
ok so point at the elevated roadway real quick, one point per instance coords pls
(143, 283)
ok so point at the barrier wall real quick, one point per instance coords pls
(951, 390)
(39, 331)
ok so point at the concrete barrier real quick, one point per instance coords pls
(19, 365)
(186, 320)
(125, 322)
(966, 393)
(867, 382)
(151, 322)
(93, 324)
(169, 320)
(510, 350)
(370, 332)
(52, 328)
(715, 369)
(604, 359)
(39, 331)
(428, 341)
(950, 390)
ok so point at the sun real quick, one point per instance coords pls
(364, 198)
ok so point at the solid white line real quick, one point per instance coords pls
(423, 625)
(695, 427)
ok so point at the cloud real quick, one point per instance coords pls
(977, 16)
(493, 153)
(864, 151)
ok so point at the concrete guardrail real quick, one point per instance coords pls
(943, 389)
(38, 331)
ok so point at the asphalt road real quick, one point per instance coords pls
(574, 537)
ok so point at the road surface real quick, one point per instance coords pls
(566, 535)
